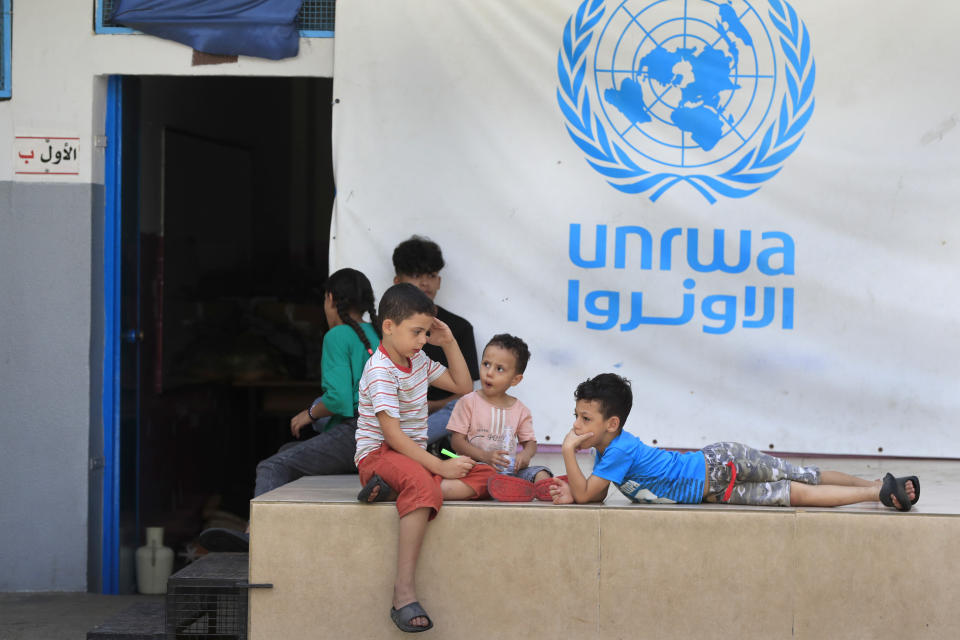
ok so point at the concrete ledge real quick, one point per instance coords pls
(598, 571)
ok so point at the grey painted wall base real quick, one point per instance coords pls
(49, 381)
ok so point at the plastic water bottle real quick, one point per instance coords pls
(510, 445)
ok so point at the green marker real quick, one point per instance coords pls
(449, 453)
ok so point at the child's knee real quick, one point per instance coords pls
(457, 490)
(419, 494)
(425, 489)
(810, 475)
(476, 482)
(272, 468)
(763, 494)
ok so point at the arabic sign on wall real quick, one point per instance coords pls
(46, 155)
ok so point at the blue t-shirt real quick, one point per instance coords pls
(648, 474)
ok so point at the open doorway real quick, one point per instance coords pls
(227, 192)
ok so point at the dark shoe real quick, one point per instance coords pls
(402, 617)
(897, 487)
(224, 540)
(386, 493)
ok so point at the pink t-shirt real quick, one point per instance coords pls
(483, 424)
(400, 392)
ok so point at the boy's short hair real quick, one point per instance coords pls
(417, 256)
(514, 345)
(403, 300)
(613, 392)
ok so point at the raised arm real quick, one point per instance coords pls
(456, 379)
(583, 489)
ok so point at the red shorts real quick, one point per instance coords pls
(415, 486)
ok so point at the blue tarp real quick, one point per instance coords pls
(261, 28)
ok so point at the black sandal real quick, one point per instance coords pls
(402, 617)
(386, 492)
(897, 487)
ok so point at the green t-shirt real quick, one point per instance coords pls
(342, 360)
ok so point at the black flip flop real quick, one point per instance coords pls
(402, 617)
(896, 487)
(386, 492)
(224, 540)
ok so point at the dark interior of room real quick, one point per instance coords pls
(227, 193)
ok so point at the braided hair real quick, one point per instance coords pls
(351, 291)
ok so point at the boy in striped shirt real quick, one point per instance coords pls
(392, 434)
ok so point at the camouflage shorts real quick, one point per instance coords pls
(761, 479)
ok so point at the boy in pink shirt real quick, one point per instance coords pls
(482, 421)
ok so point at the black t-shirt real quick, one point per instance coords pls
(463, 332)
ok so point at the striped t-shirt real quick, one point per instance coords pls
(399, 391)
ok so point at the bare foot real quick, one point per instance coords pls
(560, 492)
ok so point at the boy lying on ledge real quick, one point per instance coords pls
(725, 472)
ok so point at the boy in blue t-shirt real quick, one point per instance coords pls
(725, 472)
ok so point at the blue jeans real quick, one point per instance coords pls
(328, 453)
(531, 472)
(437, 422)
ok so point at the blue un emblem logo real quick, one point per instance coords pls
(711, 94)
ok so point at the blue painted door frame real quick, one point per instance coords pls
(110, 551)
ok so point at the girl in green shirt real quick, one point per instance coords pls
(347, 297)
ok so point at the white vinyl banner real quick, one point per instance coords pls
(746, 208)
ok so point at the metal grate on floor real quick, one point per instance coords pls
(206, 612)
(208, 599)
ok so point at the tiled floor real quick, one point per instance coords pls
(59, 616)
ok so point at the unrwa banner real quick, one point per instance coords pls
(746, 208)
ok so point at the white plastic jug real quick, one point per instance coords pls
(154, 563)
